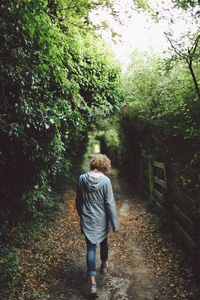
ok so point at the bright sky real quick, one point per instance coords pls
(142, 33)
(139, 31)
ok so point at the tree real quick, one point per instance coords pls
(189, 54)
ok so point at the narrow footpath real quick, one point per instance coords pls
(143, 264)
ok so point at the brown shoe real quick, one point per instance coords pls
(104, 269)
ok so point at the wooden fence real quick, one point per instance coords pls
(181, 211)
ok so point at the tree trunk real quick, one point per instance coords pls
(194, 77)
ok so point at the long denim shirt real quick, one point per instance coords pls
(96, 206)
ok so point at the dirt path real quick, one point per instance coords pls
(129, 276)
(138, 269)
(143, 264)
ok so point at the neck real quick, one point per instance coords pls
(95, 170)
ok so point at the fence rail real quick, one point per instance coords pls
(183, 212)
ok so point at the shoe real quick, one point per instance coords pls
(104, 269)
(93, 291)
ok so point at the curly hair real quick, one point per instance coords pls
(100, 162)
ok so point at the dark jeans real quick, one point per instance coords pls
(91, 255)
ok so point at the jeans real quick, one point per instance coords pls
(91, 255)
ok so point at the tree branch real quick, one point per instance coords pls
(62, 19)
(78, 25)
(194, 47)
(65, 8)
(194, 77)
(174, 48)
(189, 58)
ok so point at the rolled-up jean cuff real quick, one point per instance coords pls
(92, 273)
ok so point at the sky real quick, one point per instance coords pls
(139, 30)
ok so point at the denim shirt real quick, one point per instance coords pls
(96, 206)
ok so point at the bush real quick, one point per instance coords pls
(56, 82)
(8, 270)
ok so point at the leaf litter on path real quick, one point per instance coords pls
(144, 264)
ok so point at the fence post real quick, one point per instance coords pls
(139, 175)
(168, 196)
(197, 233)
(151, 179)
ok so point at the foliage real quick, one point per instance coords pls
(8, 268)
(160, 118)
(57, 80)
(188, 52)
(109, 143)
(187, 4)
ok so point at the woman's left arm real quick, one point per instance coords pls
(110, 206)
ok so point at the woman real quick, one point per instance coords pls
(96, 207)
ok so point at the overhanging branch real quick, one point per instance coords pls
(174, 48)
(63, 19)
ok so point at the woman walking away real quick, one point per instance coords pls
(96, 207)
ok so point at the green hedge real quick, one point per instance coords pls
(57, 81)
